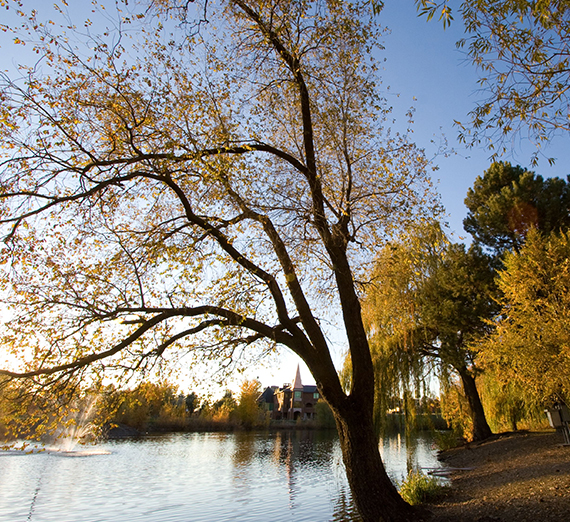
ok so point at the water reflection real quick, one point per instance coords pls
(296, 476)
(403, 453)
(344, 508)
(305, 464)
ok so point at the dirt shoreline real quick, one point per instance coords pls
(522, 477)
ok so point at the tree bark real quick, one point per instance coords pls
(376, 498)
(481, 429)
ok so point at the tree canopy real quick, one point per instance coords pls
(521, 48)
(216, 180)
(206, 180)
(530, 347)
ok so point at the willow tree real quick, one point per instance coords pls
(205, 180)
(392, 317)
(430, 300)
(521, 50)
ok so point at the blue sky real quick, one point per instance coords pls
(424, 69)
(423, 62)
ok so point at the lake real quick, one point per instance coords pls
(286, 476)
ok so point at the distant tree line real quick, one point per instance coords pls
(149, 407)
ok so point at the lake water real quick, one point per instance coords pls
(288, 476)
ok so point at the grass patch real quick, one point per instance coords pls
(418, 488)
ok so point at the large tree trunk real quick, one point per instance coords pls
(376, 498)
(481, 429)
(374, 494)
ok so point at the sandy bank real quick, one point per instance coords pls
(520, 477)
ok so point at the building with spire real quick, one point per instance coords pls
(291, 401)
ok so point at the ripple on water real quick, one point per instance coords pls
(291, 476)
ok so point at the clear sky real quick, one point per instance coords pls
(422, 61)
(423, 69)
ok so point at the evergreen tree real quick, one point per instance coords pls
(506, 202)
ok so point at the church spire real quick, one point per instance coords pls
(297, 384)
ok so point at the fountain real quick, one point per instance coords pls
(74, 427)
(77, 429)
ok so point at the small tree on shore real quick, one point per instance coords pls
(248, 412)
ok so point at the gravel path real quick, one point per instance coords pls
(521, 477)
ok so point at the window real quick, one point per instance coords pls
(298, 395)
(316, 395)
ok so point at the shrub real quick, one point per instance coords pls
(418, 488)
(324, 415)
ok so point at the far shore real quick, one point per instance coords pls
(120, 431)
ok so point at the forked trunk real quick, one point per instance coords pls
(481, 429)
(374, 494)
